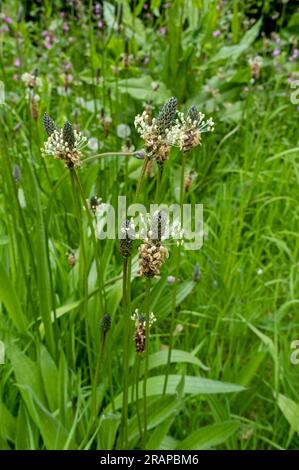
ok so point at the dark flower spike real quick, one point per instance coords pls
(167, 114)
(49, 124)
(68, 134)
(196, 273)
(94, 202)
(126, 242)
(155, 131)
(158, 225)
(105, 323)
(193, 113)
(16, 173)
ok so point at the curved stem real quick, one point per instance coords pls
(111, 154)
(175, 287)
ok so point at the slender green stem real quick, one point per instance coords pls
(175, 287)
(139, 184)
(94, 240)
(99, 275)
(111, 154)
(108, 367)
(147, 343)
(158, 185)
(97, 373)
(140, 180)
(84, 268)
(137, 375)
(126, 318)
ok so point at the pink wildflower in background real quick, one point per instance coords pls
(294, 56)
(162, 30)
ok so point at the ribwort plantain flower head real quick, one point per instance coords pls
(71, 259)
(255, 64)
(186, 133)
(154, 131)
(31, 80)
(94, 203)
(167, 115)
(126, 241)
(158, 224)
(49, 124)
(140, 329)
(63, 144)
(152, 254)
(16, 173)
(105, 323)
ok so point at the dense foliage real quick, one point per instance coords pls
(229, 311)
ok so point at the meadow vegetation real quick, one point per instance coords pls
(204, 362)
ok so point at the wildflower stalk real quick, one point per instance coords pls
(84, 263)
(137, 375)
(177, 270)
(94, 241)
(158, 185)
(126, 317)
(147, 327)
(140, 179)
(96, 375)
(137, 395)
(93, 157)
(103, 365)
(99, 275)
(112, 154)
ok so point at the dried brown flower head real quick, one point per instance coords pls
(189, 178)
(152, 254)
(71, 259)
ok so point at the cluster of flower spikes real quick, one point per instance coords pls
(64, 144)
(171, 128)
(154, 131)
